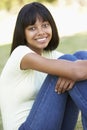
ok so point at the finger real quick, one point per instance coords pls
(57, 84)
(61, 86)
(66, 86)
(71, 85)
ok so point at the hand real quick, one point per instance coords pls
(63, 84)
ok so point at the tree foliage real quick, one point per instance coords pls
(9, 4)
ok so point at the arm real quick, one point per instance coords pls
(73, 70)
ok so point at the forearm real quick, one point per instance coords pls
(64, 68)
(81, 69)
(76, 70)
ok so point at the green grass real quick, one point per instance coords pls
(73, 43)
(68, 44)
(4, 54)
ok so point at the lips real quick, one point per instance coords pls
(41, 39)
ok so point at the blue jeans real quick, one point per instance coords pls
(52, 111)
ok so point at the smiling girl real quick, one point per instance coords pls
(32, 97)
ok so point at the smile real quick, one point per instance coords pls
(41, 39)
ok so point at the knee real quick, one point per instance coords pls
(68, 57)
(81, 55)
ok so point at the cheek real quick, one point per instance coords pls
(28, 36)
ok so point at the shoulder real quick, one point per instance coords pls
(20, 52)
(16, 57)
(21, 49)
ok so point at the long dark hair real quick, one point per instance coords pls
(27, 16)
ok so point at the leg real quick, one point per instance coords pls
(70, 115)
(71, 110)
(81, 55)
(79, 96)
(48, 110)
(79, 91)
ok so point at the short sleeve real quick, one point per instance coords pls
(18, 54)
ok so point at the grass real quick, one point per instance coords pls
(73, 43)
(68, 44)
(4, 54)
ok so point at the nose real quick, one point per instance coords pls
(41, 31)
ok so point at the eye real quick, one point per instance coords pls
(45, 25)
(32, 28)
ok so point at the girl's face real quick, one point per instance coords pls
(38, 35)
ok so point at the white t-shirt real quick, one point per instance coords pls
(18, 88)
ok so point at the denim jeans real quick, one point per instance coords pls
(52, 111)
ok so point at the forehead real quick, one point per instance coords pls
(32, 19)
(39, 18)
(39, 21)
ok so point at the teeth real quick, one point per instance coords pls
(42, 39)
